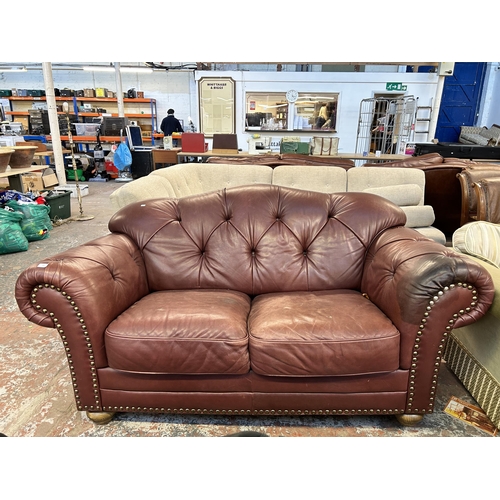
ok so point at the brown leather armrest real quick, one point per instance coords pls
(84, 288)
(423, 286)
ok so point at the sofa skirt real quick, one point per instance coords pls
(254, 403)
(252, 394)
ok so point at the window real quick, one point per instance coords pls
(266, 111)
(272, 111)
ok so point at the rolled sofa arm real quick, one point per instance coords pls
(84, 288)
(404, 272)
(426, 289)
(417, 281)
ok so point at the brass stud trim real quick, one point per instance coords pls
(64, 339)
(418, 338)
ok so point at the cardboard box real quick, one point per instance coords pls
(32, 182)
(49, 178)
(37, 181)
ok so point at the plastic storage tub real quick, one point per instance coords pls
(60, 205)
(86, 128)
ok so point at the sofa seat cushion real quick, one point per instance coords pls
(309, 334)
(182, 332)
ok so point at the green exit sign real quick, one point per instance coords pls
(395, 86)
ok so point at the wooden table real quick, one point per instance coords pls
(14, 176)
(165, 156)
(11, 172)
(47, 155)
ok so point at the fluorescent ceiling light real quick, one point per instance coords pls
(12, 70)
(127, 69)
(123, 69)
(98, 68)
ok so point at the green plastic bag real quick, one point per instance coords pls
(295, 147)
(36, 222)
(12, 238)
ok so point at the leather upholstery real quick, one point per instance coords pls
(256, 300)
(488, 200)
(274, 160)
(275, 240)
(468, 177)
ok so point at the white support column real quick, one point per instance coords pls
(435, 108)
(54, 122)
(119, 91)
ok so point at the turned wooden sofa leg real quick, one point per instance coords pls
(409, 420)
(100, 417)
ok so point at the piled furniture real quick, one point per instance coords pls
(405, 187)
(256, 300)
(488, 199)
(483, 136)
(473, 351)
(470, 178)
(442, 188)
(275, 160)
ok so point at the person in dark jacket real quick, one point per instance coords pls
(170, 124)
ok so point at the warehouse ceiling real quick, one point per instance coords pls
(209, 66)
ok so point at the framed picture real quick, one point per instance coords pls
(217, 106)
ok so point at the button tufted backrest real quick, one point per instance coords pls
(257, 239)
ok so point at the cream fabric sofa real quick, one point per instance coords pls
(473, 352)
(404, 187)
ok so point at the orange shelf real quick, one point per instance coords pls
(90, 138)
(94, 99)
(27, 113)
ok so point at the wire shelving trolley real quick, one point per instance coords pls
(386, 124)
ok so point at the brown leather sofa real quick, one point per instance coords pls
(488, 199)
(277, 159)
(468, 179)
(256, 300)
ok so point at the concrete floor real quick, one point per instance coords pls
(36, 398)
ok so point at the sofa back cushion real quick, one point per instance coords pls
(257, 239)
(363, 178)
(403, 195)
(322, 179)
(186, 179)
